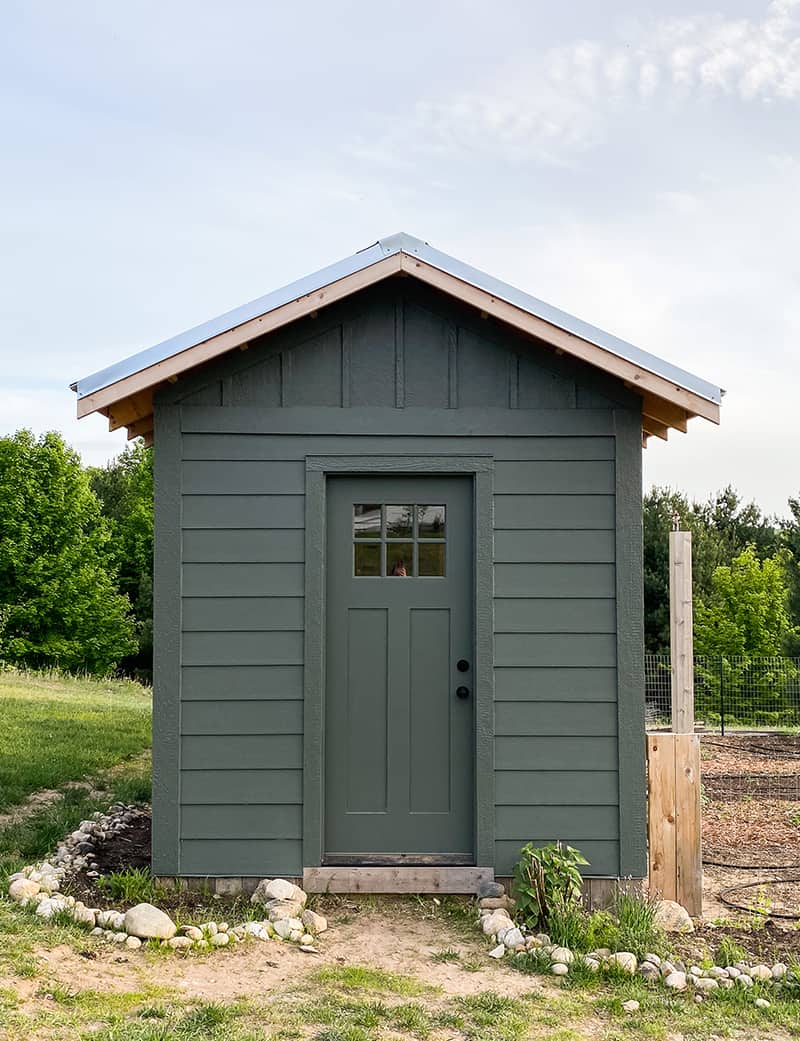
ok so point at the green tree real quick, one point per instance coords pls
(125, 490)
(744, 620)
(790, 540)
(59, 604)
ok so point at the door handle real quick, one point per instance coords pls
(462, 692)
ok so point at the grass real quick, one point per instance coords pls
(60, 728)
(133, 886)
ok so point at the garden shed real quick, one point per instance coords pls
(398, 577)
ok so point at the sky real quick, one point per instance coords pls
(635, 163)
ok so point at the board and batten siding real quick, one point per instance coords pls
(231, 452)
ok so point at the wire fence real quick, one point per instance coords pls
(730, 693)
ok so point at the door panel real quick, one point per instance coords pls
(399, 744)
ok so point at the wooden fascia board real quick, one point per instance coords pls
(640, 379)
(208, 350)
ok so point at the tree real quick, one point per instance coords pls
(746, 618)
(790, 540)
(125, 490)
(58, 600)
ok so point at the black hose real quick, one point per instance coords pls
(723, 896)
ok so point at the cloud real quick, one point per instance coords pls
(555, 105)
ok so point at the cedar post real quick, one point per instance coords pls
(680, 631)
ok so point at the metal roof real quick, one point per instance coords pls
(400, 243)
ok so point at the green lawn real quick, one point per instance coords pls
(60, 728)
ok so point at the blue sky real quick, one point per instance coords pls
(637, 164)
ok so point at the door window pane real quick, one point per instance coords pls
(399, 559)
(367, 521)
(367, 560)
(399, 522)
(431, 522)
(431, 559)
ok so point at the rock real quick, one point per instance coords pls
(97, 931)
(717, 972)
(306, 940)
(193, 933)
(514, 938)
(563, 955)
(120, 937)
(133, 943)
(673, 918)
(494, 903)
(148, 922)
(84, 915)
(494, 922)
(733, 971)
(308, 949)
(779, 970)
(211, 928)
(762, 1003)
(761, 972)
(559, 968)
(592, 964)
(50, 905)
(532, 943)
(314, 923)
(278, 909)
(698, 999)
(706, 984)
(632, 1005)
(223, 927)
(725, 984)
(744, 980)
(649, 971)
(602, 953)
(491, 890)
(278, 889)
(23, 889)
(676, 981)
(653, 959)
(181, 943)
(220, 939)
(625, 960)
(295, 935)
(696, 970)
(283, 928)
(543, 939)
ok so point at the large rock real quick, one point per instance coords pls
(278, 889)
(673, 918)
(490, 889)
(494, 922)
(149, 923)
(23, 889)
(278, 909)
(625, 960)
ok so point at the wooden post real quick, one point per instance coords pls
(674, 834)
(680, 631)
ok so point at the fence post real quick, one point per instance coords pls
(680, 631)
(721, 696)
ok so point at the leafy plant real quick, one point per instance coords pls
(547, 879)
(568, 926)
(602, 930)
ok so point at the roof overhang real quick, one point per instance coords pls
(124, 392)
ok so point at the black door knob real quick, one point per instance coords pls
(462, 665)
(462, 692)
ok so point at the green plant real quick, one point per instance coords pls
(132, 886)
(602, 930)
(568, 926)
(547, 879)
(446, 955)
(729, 952)
(635, 913)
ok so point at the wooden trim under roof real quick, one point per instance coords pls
(665, 405)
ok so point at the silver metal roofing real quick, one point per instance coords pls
(400, 243)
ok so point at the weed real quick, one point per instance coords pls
(132, 886)
(472, 965)
(636, 919)
(729, 952)
(411, 1017)
(446, 955)
(567, 925)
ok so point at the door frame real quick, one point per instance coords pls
(318, 469)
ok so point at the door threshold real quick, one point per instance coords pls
(395, 879)
(399, 860)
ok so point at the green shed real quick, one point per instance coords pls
(398, 577)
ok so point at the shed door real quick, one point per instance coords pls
(399, 671)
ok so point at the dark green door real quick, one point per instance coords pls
(399, 671)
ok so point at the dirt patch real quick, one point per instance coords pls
(394, 936)
(41, 800)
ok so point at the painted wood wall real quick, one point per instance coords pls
(396, 370)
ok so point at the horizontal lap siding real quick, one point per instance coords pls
(242, 621)
(242, 626)
(555, 620)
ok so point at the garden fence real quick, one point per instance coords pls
(730, 693)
